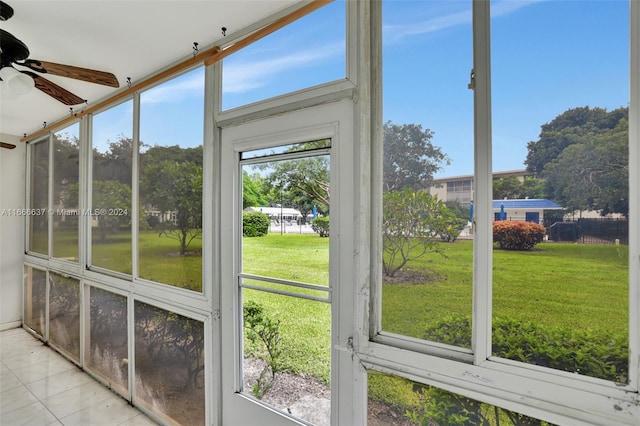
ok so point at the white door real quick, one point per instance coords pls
(283, 334)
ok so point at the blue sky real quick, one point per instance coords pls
(547, 56)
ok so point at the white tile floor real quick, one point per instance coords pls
(40, 387)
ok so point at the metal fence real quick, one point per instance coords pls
(591, 231)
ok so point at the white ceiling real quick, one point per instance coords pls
(133, 38)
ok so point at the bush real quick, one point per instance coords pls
(599, 355)
(321, 226)
(593, 354)
(511, 235)
(451, 231)
(260, 327)
(255, 224)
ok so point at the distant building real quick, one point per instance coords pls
(523, 210)
(461, 188)
(277, 213)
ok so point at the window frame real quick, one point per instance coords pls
(551, 395)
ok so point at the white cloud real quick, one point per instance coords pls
(180, 88)
(395, 33)
(239, 77)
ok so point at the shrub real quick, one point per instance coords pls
(255, 224)
(599, 355)
(511, 235)
(593, 354)
(410, 222)
(260, 327)
(321, 226)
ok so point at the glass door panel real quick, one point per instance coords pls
(283, 281)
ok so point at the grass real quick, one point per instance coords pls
(305, 325)
(577, 286)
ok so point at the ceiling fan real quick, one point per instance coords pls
(14, 52)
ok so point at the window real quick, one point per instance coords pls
(64, 314)
(66, 189)
(428, 133)
(572, 132)
(169, 376)
(284, 283)
(39, 198)
(305, 53)
(106, 343)
(35, 299)
(170, 175)
(552, 323)
(418, 404)
(111, 189)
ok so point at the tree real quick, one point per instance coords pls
(158, 154)
(511, 187)
(410, 159)
(572, 126)
(116, 163)
(305, 179)
(410, 221)
(252, 195)
(176, 188)
(593, 175)
(507, 187)
(111, 204)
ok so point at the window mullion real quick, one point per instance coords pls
(482, 253)
(634, 196)
(50, 197)
(135, 193)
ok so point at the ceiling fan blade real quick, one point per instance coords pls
(84, 74)
(55, 91)
(7, 145)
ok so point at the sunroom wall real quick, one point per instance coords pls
(511, 386)
(12, 198)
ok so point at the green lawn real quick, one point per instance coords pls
(577, 286)
(305, 325)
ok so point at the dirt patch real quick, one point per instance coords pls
(412, 277)
(299, 395)
(308, 399)
(189, 253)
(380, 414)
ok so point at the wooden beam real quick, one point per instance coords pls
(209, 57)
(201, 57)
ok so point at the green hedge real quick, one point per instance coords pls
(589, 353)
(593, 354)
(255, 224)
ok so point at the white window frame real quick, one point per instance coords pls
(554, 396)
(333, 120)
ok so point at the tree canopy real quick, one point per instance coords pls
(410, 159)
(300, 183)
(593, 175)
(583, 156)
(572, 126)
(176, 187)
(511, 187)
